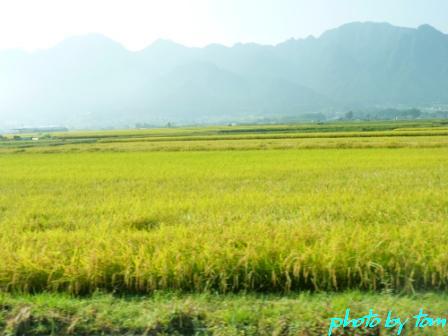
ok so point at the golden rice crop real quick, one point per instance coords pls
(266, 220)
(141, 145)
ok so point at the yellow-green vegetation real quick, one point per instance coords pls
(391, 134)
(207, 314)
(329, 211)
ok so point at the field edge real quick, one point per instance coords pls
(168, 313)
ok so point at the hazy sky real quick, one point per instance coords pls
(32, 24)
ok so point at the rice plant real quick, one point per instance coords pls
(225, 220)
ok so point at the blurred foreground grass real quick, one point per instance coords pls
(207, 314)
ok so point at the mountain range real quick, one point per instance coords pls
(92, 81)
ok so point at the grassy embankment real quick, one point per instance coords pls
(209, 314)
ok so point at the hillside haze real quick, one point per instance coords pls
(92, 81)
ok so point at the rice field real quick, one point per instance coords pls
(271, 215)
